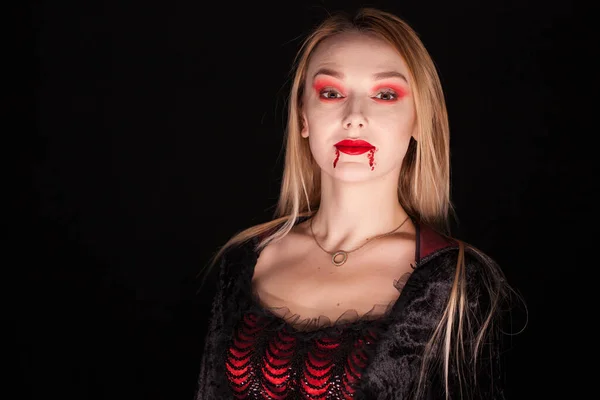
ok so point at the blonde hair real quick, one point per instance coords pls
(423, 186)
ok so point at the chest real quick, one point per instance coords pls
(309, 285)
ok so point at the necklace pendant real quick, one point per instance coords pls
(339, 258)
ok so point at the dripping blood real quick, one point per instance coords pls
(337, 157)
(371, 156)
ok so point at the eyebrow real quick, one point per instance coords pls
(389, 74)
(377, 76)
(330, 72)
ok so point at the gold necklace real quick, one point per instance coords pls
(339, 257)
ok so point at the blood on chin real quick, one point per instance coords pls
(369, 154)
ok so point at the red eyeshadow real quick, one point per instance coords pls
(400, 91)
(322, 83)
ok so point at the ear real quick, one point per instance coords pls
(304, 130)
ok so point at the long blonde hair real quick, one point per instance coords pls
(424, 182)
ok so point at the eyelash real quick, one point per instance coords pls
(388, 92)
(324, 91)
(382, 92)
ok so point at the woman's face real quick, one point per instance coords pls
(358, 107)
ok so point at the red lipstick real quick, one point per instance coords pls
(354, 147)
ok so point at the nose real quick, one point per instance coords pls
(351, 122)
(355, 118)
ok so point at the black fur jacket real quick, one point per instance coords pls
(394, 361)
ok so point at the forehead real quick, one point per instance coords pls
(356, 53)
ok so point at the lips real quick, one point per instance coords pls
(354, 147)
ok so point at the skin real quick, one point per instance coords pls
(357, 201)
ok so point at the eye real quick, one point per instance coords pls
(387, 95)
(330, 94)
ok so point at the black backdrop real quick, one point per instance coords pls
(158, 133)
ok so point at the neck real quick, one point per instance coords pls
(350, 213)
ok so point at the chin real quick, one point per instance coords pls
(353, 172)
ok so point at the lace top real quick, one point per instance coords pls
(275, 354)
(267, 360)
(284, 357)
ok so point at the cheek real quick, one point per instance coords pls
(394, 136)
(321, 121)
(397, 125)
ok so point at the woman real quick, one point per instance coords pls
(356, 289)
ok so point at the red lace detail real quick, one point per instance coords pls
(279, 364)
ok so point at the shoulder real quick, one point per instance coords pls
(238, 257)
(449, 258)
(243, 249)
(230, 262)
(432, 244)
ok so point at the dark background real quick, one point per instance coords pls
(157, 133)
